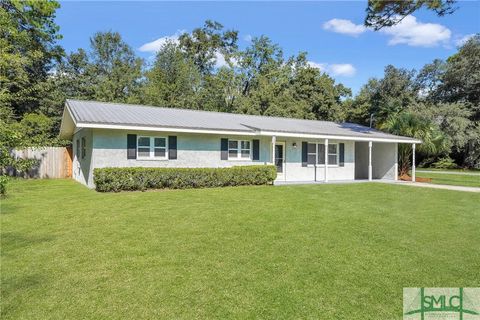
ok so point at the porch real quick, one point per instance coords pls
(335, 160)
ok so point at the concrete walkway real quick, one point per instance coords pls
(290, 183)
(433, 186)
(404, 183)
(450, 172)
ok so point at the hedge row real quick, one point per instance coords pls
(120, 179)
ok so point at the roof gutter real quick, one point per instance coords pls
(338, 137)
(243, 133)
(163, 129)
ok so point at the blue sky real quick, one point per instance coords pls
(331, 32)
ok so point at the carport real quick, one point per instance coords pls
(378, 160)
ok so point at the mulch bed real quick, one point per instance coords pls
(406, 177)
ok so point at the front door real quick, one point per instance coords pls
(280, 159)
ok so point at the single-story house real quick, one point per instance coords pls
(122, 135)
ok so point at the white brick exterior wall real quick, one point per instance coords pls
(108, 148)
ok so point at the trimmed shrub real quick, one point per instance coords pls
(127, 179)
(445, 163)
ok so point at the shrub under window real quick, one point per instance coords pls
(119, 179)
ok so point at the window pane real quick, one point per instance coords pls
(160, 142)
(144, 142)
(279, 151)
(232, 153)
(332, 148)
(144, 152)
(332, 159)
(311, 159)
(245, 144)
(245, 153)
(232, 144)
(321, 154)
(160, 152)
(84, 150)
(311, 148)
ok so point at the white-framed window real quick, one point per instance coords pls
(311, 153)
(239, 149)
(84, 147)
(316, 154)
(78, 148)
(151, 147)
(333, 154)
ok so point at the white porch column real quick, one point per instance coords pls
(396, 161)
(370, 160)
(274, 140)
(413, 162)
(326, 160)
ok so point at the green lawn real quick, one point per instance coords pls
(452, 179)
(477, 171)
(317, 251)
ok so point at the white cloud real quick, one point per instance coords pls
(220, 60)
(461, 40)
(343, 69)
(156, 45)
(344, 26)
(248, 38)
(336, 69)
(320, 66)
(414, 33)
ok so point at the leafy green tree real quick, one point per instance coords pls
(428, 80)
(449, 84)
(32, 131)
(174, 80)
(204, 45)
(261, 58)
(384, 97)
(28, 38)
(472, 149)
(460, 81)
(258, 81)
(109, 71)
(386, 13)
(72, 79)
(273, 85)
(319, 92)
(452, 119)
(412, 125)
(221, 91)
(114, 66)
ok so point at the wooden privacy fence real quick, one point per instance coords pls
(52, 162)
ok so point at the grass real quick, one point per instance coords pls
(452, 179)
(331, 251)
(477, 171)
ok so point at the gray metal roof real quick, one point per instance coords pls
(92, 112)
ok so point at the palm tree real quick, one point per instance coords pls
(412, 125)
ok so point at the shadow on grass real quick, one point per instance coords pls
(15, 240)
(16, 286)
(7, 209)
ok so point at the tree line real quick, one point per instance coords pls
(439, 103)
